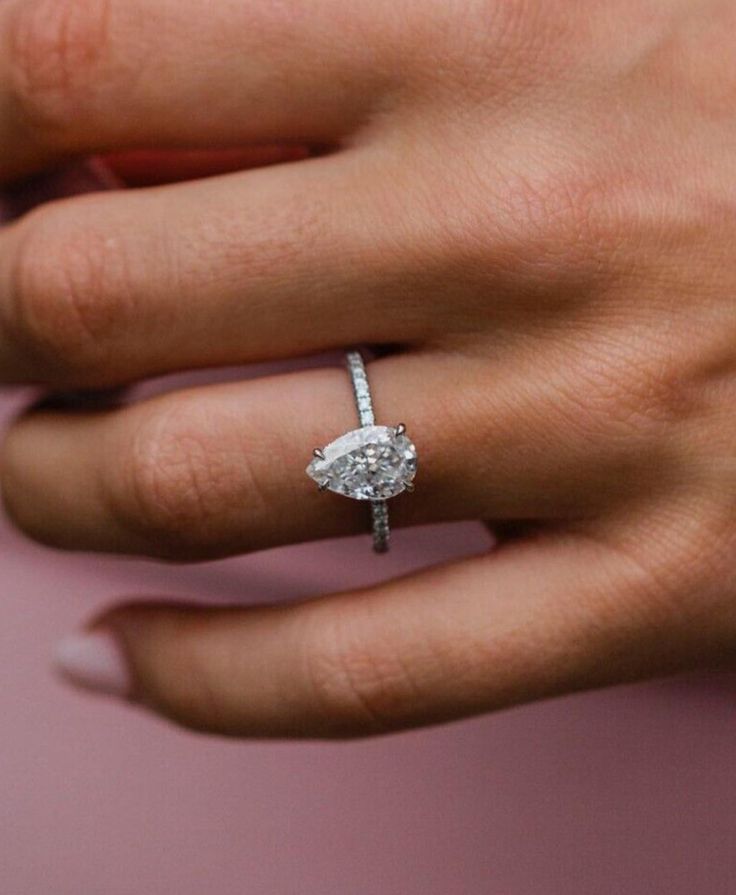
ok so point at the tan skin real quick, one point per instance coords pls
(536, 201)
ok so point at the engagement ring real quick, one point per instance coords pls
(371, 463)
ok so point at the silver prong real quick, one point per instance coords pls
(319, 454)
(322, 486)
(400, 429)
(410, 487)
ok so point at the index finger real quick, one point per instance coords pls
(88, 75)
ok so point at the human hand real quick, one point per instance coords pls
(536, 202)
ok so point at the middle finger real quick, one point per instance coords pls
(102, 290)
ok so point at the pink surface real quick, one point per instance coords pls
(627, 792)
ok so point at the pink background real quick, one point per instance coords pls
(626, 792)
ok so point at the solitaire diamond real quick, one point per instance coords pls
(371, 463)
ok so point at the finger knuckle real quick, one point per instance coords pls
(66, 297)
(678, 576)
(55, 50)
(360, 684)
(694, 553)
(509, 27)
(200, 695)
(174, 490)
(556, 217)
(473, 40)
(541, 231)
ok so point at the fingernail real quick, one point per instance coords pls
(93, 660)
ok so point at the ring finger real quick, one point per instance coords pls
(219, 470)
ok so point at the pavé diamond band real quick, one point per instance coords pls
(372, 463)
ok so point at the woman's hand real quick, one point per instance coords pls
(536, 201)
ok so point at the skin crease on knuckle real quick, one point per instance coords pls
(68, 298)
(56, 48)
(173, 490)
(185, 485)
(362, 677)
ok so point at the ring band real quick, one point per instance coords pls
(361, 389)
(380, 526)
(372, 463)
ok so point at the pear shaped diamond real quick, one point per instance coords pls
(371, 463)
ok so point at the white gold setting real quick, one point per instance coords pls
(372, 463)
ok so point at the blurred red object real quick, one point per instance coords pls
(153, 167)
